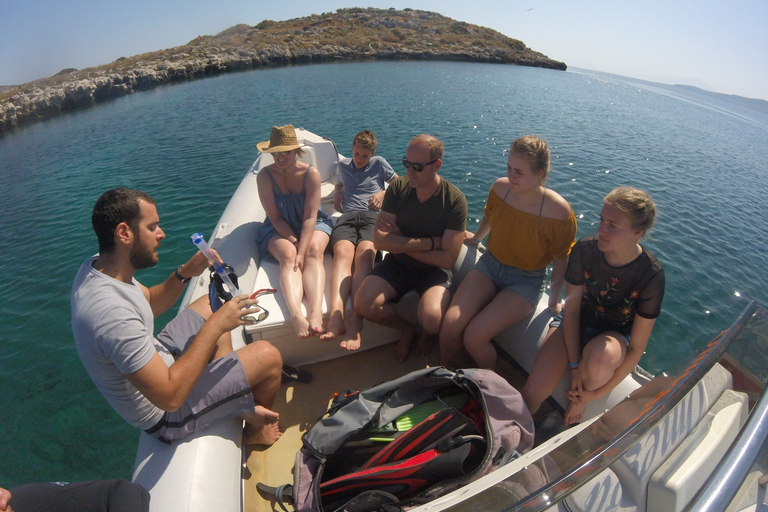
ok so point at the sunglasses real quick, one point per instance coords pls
(262, 314)
(415, 165)
(255, 318)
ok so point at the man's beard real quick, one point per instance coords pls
(142, 256)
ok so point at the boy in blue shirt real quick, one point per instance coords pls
(359, 194)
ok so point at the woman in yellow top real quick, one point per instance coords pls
(528, 227)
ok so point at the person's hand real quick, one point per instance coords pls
(389, 226)
(469, 237)
(584, 395)
(232, 313)
(298, 264)
(198, 263)
(556, 308)
(376, 200)
(576, 387)
(5, 497)
(338, 200)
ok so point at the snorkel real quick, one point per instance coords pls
(199, 241)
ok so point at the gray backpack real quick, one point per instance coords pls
(407, 441)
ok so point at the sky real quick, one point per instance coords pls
(716, 45)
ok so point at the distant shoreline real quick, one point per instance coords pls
(348, 35)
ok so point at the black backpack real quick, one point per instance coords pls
(408, 441)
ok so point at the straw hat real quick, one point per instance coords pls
(282, 138)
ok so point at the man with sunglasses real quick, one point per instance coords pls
(421, 226)
(186, 378)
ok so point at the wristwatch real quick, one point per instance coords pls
(181, 278)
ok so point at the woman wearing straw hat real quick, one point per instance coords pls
(296, 231)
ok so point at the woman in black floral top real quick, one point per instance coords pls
(614, 289)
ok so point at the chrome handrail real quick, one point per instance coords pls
(602, 456)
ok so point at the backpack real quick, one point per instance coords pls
(407, 441)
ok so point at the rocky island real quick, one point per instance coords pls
(354, 34)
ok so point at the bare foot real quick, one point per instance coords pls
(301, 326)
(261, 426)
(353, 338)
(335, 327)
(265, 435)
(403, 347)
(316, 325)
(574, 412)
(426, 344)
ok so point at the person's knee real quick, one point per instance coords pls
(269, 354)
(202, 306)
(474, 337)
(432, 309)
(364, 303)
(344, 251)
(126, 492)
(431, 321)
(451, 327)
(286, 259)
(602, 355)
(260, 359)
(364, 255)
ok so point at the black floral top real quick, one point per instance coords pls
(612, 296)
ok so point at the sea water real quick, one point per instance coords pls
(703, 161)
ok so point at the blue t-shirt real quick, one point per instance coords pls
(360, 184)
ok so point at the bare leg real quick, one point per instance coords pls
(341, 284)
(432, 307)
(262, 364)
(505, 310)
(599, 360)
(314, 281)
(353, 333)
(474, 293)
(549, 367)
(426, 343)
(223, 347)
(291, 284)
(373, 301)
(364, 257)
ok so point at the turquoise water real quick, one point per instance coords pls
(189, 145)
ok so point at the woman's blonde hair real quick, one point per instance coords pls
(636, 204)
(536, 152)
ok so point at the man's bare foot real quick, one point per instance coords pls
(574, 412)
(301, 326)
(261, 426)
(426, 344)
(266, 435)
(403, 347)
(335, 327)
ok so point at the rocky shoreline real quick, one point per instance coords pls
(347, 35)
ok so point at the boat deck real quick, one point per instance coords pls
(300, 405)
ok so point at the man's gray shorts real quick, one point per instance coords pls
(221, 391)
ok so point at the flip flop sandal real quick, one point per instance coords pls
(281, 494)
(293, 374)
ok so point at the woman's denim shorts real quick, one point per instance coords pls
(529, 284)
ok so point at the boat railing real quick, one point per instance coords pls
(586, 455)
